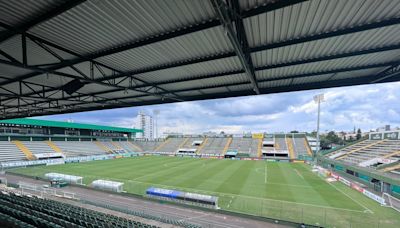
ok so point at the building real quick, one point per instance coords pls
(313, 143)
(146, 123)
(383, 128)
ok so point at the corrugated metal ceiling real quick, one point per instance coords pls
(97, 26)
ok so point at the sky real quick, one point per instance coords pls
(366, 107)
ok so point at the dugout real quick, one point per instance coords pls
(64, 177)
(230, 154)
(184, 197)
(108, 185)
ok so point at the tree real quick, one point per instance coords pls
(294, 131)
(358, 136)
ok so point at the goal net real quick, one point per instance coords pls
(392, 201)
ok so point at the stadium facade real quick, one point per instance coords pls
(30, 139)
(373, 161)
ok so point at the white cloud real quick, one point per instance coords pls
(367, 107)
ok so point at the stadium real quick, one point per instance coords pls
(60, 56)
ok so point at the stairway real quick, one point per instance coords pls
(289, 143)
(117, 145)
(135, 146)
(24, 150)
(307, 145)
(103, 147)
(228, 143)
(202, 146)
(54, 147)
(359, 149)
(162, 144)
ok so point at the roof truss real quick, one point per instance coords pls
(22, 95)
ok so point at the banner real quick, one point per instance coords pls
(391, 135)
(257, 135)
(376, 136)
(356, 187)
(344, 181)
(334, 175)
(374, 197)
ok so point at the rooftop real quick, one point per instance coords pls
(50, 123)
(133, 53)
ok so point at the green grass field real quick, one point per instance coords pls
(288, 191)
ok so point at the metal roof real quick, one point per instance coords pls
(49, 123)
(131, 53)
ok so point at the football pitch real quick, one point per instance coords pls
(288, 191)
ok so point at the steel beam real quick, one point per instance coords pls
(292, 77)
(390, 72)
(146, 41)
(280, 89)
(361, 28)
(229, 15)
(329, 34)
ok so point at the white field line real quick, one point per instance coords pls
(265, 173)
(258, 170)
(243, 196)
(366, 208)
(299, 174)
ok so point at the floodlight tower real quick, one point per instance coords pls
(318, 99)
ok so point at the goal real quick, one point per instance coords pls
(392, 201)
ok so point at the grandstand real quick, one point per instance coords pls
(24, 211)
(289, 146)
(243, 145)
(214, 145)
(33, 139)
(10, 152)
(369, 152)
(170, 145)
(53, 139)
(65, 56)
(373, 161)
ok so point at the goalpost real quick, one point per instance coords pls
(392, 201)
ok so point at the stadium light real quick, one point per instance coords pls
(318, 99)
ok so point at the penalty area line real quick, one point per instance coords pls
(366, 208)
(299, 174)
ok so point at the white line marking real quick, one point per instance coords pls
(366, 208)
(298, 173)
(265, 179)
(244, 196)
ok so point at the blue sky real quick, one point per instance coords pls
(366, 107)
